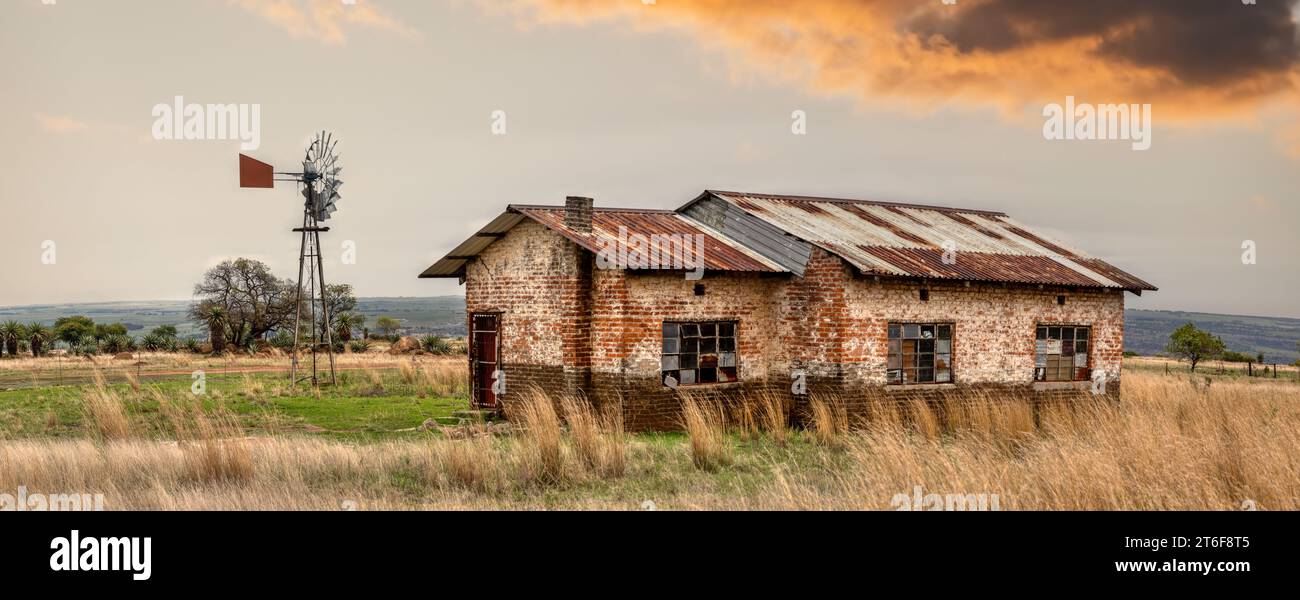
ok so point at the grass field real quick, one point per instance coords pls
(251, 442)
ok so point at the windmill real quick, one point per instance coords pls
(319, 181)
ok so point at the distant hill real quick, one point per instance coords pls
(1145, 331)
(444, 315)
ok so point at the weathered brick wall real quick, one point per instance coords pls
(540, 283)
(627, 336)
(569, 326)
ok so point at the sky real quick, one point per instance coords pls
(446, 112)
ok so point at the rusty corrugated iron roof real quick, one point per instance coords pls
(720, 253)
(910, 240)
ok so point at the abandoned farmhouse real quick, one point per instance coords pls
(736, 292)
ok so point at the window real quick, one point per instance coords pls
(700, 352)
(1061, 353)
(920, 353)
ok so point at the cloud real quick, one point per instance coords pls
(323, 20)
(1189, 58)
(61, 124)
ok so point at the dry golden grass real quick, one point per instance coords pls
(540, 458)
(1168, 445)
(104, 411)
(830, 419)
(706, 430)
(408, 372)
(597, 437)
(446, 379)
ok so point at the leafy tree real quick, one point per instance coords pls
(38, 336)
(12, 332)
(346, 323)
(71, 330)
(166, 331)
(253, 299)
(1194, 345)
(103, 330)
(388, 325)
(340, 300)
(213, 316)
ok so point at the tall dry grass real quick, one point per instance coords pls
(104, 411)
(540, 454)
(830, 419)
(1167, 445)
(597, 436)
(705, 423)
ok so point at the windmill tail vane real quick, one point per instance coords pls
(320, 184)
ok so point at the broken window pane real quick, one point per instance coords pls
(700, 352)
(921, 354)
(1064, 355)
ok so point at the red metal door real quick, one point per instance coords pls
(483, 356)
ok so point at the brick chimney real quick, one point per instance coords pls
(577, 213)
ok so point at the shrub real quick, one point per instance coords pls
(359, 346)
(117, 342)
(87, 346)
(434, 344)
(282, 340)
(152, 342)
(192, 345)
(1237, 357)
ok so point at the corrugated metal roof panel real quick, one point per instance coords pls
(720, 253)
(910, 240)
(453, 265)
